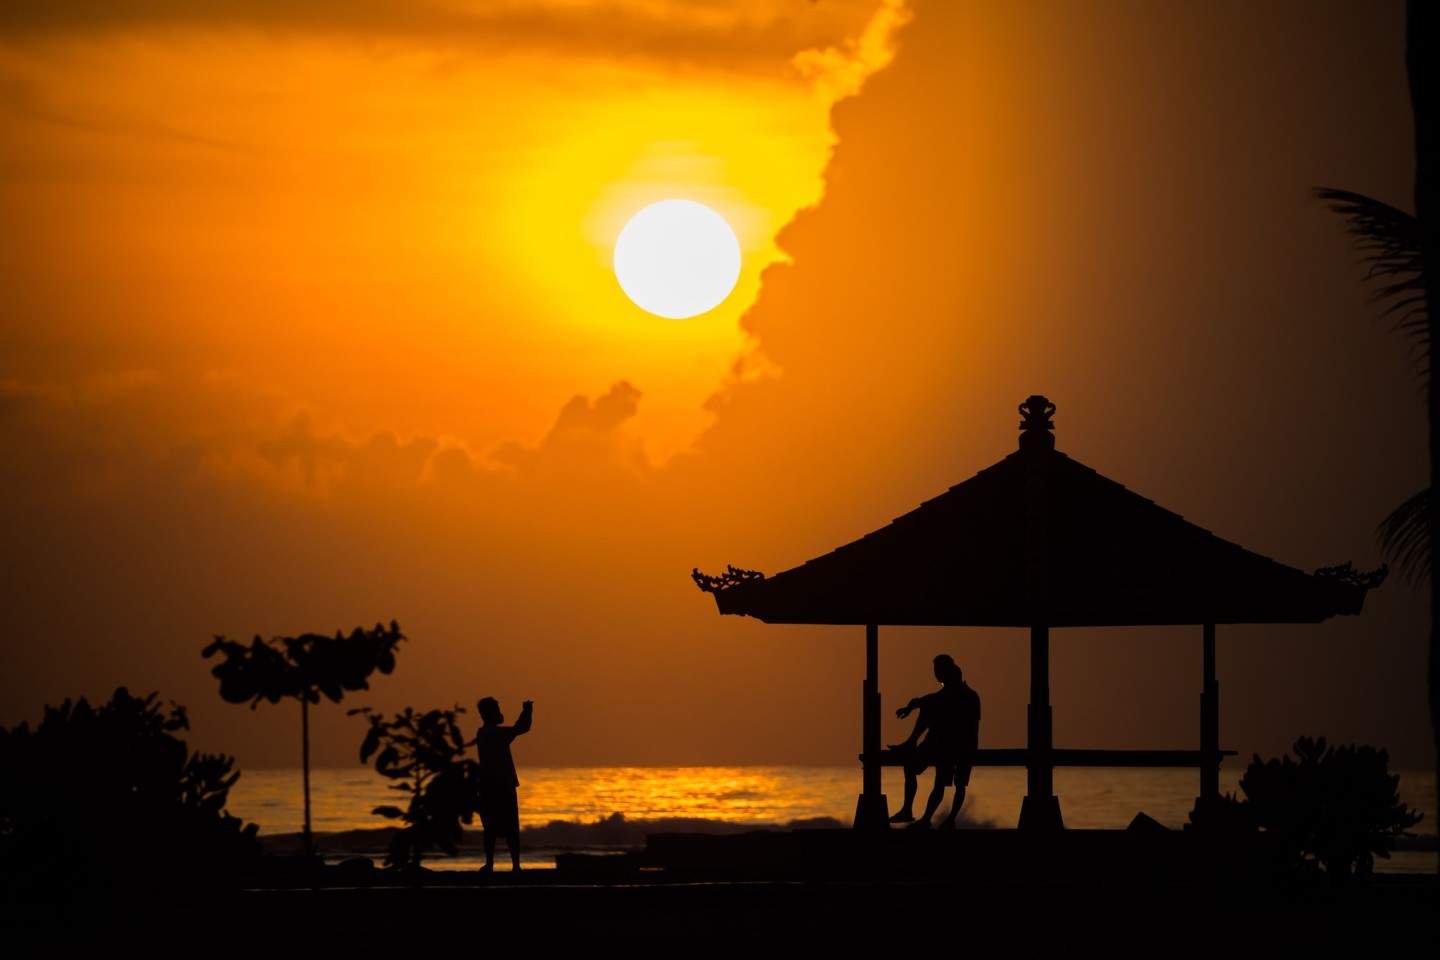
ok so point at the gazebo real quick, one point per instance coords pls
(1039, 540)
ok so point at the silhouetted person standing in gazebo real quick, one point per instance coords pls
(950, 724)
(499, 805)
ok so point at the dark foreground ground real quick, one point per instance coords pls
(1102, 895)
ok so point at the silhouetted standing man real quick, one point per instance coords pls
(950, 723)
(499, 804)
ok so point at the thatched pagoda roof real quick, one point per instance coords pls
(1041, 539)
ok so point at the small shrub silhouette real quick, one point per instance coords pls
(426, 754)
(1331, 810)
(1226, 815)
(110, 800)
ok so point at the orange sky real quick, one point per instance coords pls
(307, 322)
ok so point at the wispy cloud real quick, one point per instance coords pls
(840, 71)
(711, 32)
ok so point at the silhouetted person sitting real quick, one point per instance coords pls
(499, 805)
(949, 723)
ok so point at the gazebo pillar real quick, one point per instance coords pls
(1040, 810)
(1209, 724)
(872, 812)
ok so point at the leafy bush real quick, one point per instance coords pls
(426, 754)
(1332, 810)
(109, 798)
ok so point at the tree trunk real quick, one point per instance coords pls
(1419, 55)
(305, 773)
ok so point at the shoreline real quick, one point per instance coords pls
(808, 853)
(617, 833)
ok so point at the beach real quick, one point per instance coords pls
(1110, 916)
(710, 885)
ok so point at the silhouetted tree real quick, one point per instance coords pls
(108, 799)
(1399, 247)
(426, 754)
(303, 668)
(1330, 810)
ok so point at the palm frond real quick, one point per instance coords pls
(1405, 537)
(1388, 239)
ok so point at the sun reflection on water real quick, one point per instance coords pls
(1090, 798)
(728, 794)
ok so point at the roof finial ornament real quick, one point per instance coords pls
(1036, 429)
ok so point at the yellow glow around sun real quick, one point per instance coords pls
(677, 259)
(753, 152)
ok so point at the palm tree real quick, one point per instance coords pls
(1398, 246)
(1390, 242)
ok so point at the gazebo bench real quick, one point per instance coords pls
(1019, 757)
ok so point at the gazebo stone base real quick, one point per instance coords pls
(872, 812)
(1041, 814)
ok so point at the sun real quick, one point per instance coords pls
(677, 259)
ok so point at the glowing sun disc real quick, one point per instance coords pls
(677, 259)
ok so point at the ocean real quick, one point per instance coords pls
(761, 796)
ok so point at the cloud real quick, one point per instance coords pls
(106, 434)
(380, 459)
(715, 33)
(31, 101)
(78, 437)
(840, 71)
(993, 226)
(587, 434)
(1033, 199)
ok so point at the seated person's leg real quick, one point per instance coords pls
(905, 814)
(962, 781)
(937, 793)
